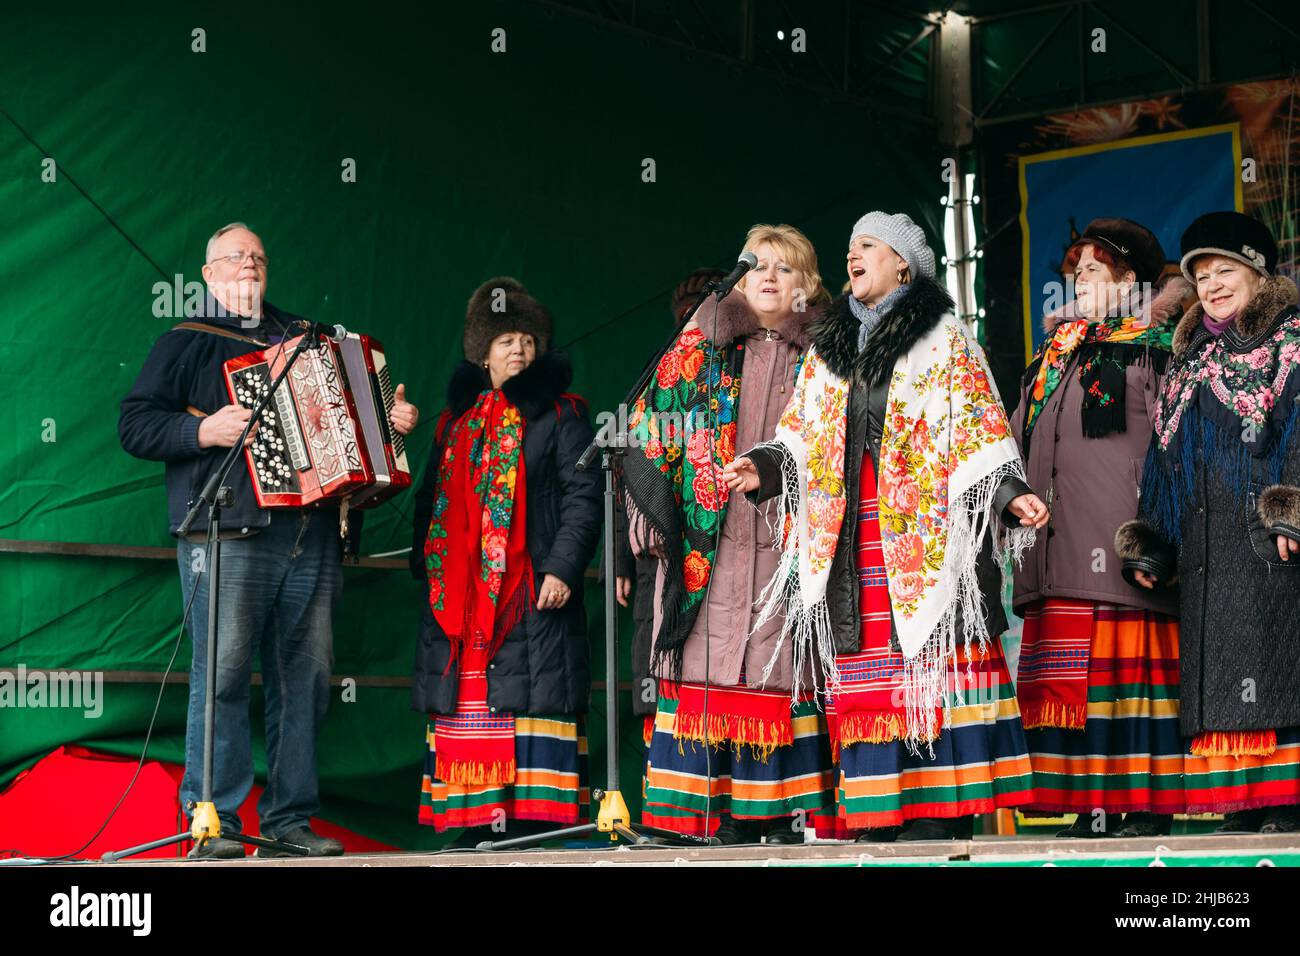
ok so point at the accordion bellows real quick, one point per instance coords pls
(325, 433)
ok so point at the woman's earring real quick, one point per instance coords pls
(899, 274)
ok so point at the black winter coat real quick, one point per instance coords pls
(1239, 603)
(835, 337)
(541, 668)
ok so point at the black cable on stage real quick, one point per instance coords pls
(144, 751)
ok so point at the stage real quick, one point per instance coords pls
(1200, 850)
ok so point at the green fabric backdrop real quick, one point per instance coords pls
(469, 164)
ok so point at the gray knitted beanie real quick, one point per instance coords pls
(902, 235)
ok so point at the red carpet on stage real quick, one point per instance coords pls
(53, 808)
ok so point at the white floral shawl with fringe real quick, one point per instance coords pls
(945, 449)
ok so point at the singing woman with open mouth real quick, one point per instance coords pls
(894, 463)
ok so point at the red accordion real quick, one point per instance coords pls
(325, 432)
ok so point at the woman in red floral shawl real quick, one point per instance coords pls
(729, 756)
(505, 527)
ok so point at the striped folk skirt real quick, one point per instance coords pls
(498, 767)
(1098, 688)
(1222, 784)
(689, 783)
(980, 761)
(551, 767)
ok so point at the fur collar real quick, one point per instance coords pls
(533, 391)
(1276, 295)
(736, 318)
(1167, 305)
(835, 334)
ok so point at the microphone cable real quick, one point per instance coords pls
(144, 750)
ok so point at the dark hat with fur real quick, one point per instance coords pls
(1130, 241)
(1231, 234)
(499, 306)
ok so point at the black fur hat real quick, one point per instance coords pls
(502, 305)
(1128, 240)
(1231, 234)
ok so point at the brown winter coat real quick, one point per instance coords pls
(1090, 484)
(747, 556)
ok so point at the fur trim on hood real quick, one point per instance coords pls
(835, 333)
(534, 390)
(735, 318)
(1165, 307)
(1276, 294)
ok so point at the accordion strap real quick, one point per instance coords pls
(218, 330)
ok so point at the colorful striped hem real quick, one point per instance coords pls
(686, 779)
(980, 764)
(1128, 755)
(1226, 784)
(551, 758)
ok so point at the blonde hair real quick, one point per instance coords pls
(797, 252)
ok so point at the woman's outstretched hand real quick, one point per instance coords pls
(1031, 510)
(741, 475)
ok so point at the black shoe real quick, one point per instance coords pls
(1083, 829)
(1242, 821)
(313, 843)
(933, 828)
(218, 848)
(733, 832)
(1145, 825)
(783, 833)
(1281, 820)
(879, 835)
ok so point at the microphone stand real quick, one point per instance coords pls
(613, 817)
(205, 824)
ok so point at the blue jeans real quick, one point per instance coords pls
(277, 594)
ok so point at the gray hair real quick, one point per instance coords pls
(228, 227)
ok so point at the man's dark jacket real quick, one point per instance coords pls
(183, 370)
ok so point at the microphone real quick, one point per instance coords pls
(724, 285)
(316, 330)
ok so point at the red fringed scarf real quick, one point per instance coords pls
(1055, 651)
(479, 570)
(741, 716)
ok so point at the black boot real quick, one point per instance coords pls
(1281, 820)
(1242, 821)
(1084, 828)
(935, 828)
(785, 832)
(733, 832)
(1145, 825)
(879, 835)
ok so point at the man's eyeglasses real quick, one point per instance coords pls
(237, 259)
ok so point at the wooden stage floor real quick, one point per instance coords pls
(1199, 850)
